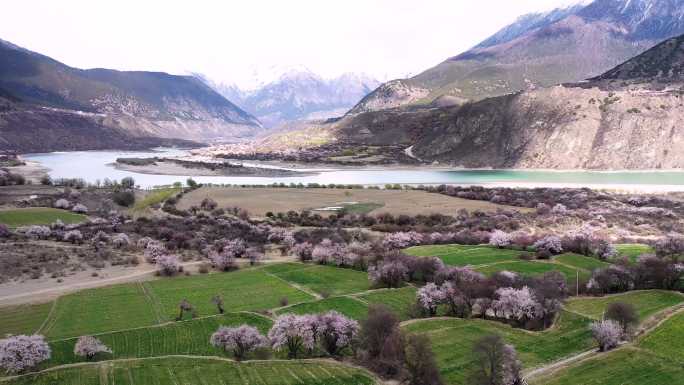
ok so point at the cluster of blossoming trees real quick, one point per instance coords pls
(296, 334)
(21, 352)
(521, 301)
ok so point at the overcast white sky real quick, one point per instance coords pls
(227, 40)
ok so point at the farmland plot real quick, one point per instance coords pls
(186, 337)
(350, 307)
(626, 366)
(322, 279)
(201, 371)
(646, 302)
(23, 319)
(249, 289)
(453, 339)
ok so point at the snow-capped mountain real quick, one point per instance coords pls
(296, 93)
(567, 44)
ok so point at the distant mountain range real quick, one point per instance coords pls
(110, 107)
(539, 50)
(298, 94)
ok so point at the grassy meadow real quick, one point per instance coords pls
(38, 216)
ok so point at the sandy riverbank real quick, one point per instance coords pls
(171, 168)
(32, 171)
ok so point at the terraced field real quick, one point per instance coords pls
(38, 216)
(176, 338)
(657, 358)
(453, 339)
(646, 303)
(626, 366)
(201, 371)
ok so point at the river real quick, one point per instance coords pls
(96, 165)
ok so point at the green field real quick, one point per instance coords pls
(201, 371)
(350, 307)
(633, 250)
(646, 303)
(668, 339)
(176, 338)
(23, 319)
(155, 197)
(531, 268)
(399, 300)
(626, 366)
(100, 310)
(249, 289)
(149, 303)
(580, 261)
(38, 216)
(463, 255)
(657, 359)
(453, 339)
(327, 280)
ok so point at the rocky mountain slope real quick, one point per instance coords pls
(631, 117)
(300, 94)
(132, 104)
(539, 50)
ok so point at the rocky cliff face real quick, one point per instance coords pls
(562, 128)
(631, 117)
(138, 104)
(29, 128)
(540, 50)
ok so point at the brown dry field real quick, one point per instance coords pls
(259, 201)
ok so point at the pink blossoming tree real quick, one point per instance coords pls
(21, 352)
(335, 331)
(168, 265)
(241, 340)
(292, 332)
(430, 297)
(89, 346)
(607, 334)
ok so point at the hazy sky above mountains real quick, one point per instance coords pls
(230, 40)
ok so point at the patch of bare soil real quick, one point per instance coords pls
(259, 201)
